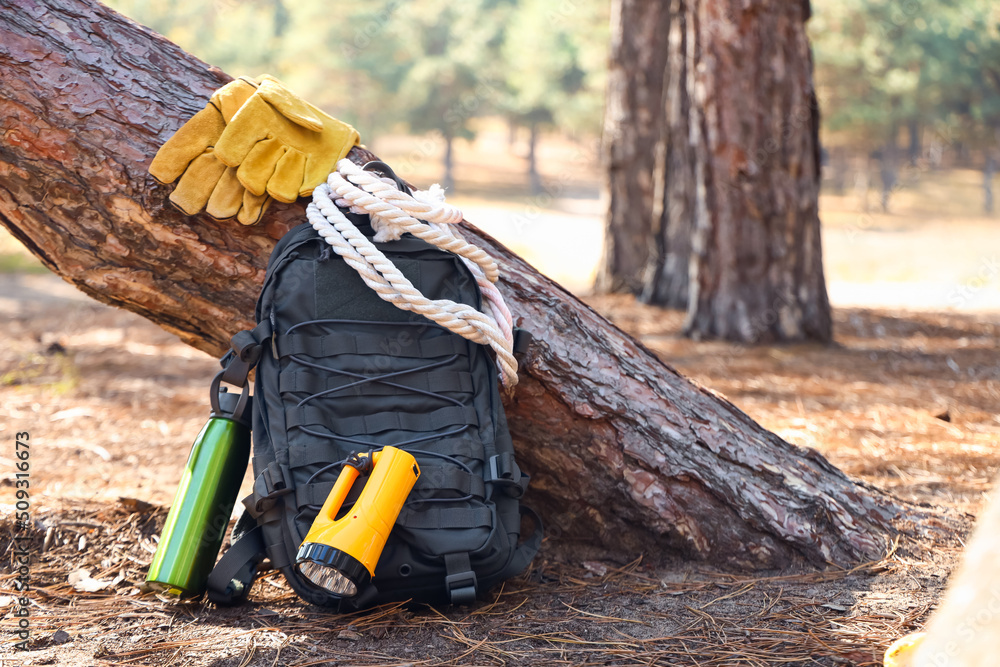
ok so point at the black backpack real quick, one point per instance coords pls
(339, 371)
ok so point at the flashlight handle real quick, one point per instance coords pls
(338, 495)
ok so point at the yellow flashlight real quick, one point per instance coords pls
(339, 555)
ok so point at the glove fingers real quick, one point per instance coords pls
(286, 181)
(253, 208)
(291, 106)
(245, 129)
(187, 143)
(339, 139)
(256, 168)
(227, 197)
(196, 185)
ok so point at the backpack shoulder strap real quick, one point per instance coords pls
(233, 576)
(527, 550)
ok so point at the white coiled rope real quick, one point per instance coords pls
(426, 216)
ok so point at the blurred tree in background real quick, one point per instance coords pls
(241, 37)
(446, 57)
(643, 33)
(554, 63)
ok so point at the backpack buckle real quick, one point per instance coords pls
(461, 587)
(460, 581)
(504, 473)
(270, 484)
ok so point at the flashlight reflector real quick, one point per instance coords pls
(328, 578)
(330, 568)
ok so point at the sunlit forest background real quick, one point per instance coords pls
(502, 102)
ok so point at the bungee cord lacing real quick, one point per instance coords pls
(427, 216)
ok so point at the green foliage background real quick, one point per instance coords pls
(390, 65)
(883, 67)
(929, 66)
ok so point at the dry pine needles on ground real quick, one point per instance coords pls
(874, 404)
(86, 609)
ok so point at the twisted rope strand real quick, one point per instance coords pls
(429, 205)
(392, 216)
(394, 213)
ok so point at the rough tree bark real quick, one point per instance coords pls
(627, 456)
(668, 277)
(757, 273)
(632, 129)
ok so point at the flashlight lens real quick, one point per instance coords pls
(329, 578)
(335, 571)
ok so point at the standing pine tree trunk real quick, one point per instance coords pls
(757, 266)
(632, 129)
(915, 149)
(668, 276)
(448, 182)
(533, 176)
(989, 170)
(889, 168)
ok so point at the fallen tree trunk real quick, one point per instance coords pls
(626, 455)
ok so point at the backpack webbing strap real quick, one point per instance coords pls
(432, 381)
(309, 415)
(312, 494)
(434, 482)
(461, 581)
(457, 447)
(234, 574)
(452, 517)
(334, 344)
(440, 479)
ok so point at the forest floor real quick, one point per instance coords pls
(905, 399)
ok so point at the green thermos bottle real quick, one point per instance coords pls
(199, 515)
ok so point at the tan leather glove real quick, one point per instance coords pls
(189, 155)
(282, 145)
